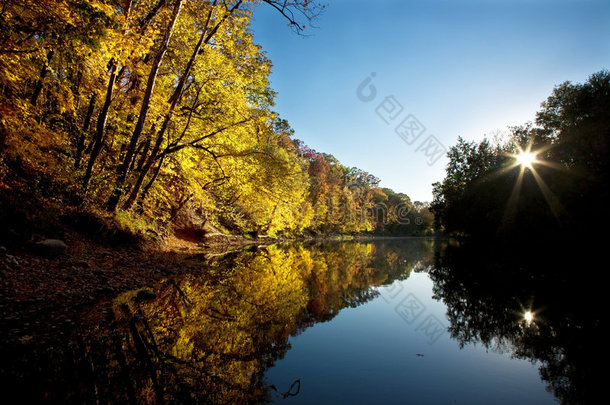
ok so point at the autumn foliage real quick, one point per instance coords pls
(161, 109)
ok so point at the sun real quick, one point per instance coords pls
(528, 163)
(526, 159)
(528, 316)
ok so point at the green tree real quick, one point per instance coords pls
(487, 192)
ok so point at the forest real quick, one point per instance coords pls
(546, 180)
(157, 115)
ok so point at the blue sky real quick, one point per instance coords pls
(462, 68)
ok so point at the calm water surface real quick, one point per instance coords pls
(390, 321)
(396, 348)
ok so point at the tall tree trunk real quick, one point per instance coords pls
(150, 85)
(80, 143)
(100, 129)
(176, 210)
(39, 83)
(133, 195)
(151, 14)
(144, 152)
(98, 141)
(204, 39)
(151, 181)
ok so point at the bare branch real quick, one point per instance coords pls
(299, 13)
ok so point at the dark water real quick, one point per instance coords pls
(394, 321)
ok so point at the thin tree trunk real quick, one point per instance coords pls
(2, 136)
(98, 141)
(174, 211)
(151, 159)
(100, 131)
(151, 14)
(174, 99)
(173, 102)
(150, 85)
(80, 144)
(39, 83)
(144, 153)
(152, 180)
(133, 195)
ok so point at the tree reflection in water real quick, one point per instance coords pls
(488, 292)
(209, 337)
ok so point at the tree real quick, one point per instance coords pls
(288, 9)
(100, 132)
(487, 193)
(165, 105)
(145, 105)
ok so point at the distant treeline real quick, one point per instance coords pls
(564, 193)
(161, 111)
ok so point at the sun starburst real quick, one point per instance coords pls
(527, 160)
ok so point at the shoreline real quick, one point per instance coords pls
(42, 297)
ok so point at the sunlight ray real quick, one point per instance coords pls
(552, 165)
(549, 196)
(511, 205)
(526, 159)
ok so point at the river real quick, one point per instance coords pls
(389, 321)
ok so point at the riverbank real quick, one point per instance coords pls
(46, 293)
(43, 294)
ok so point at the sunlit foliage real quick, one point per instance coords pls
(210, 339)
(162, 108)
